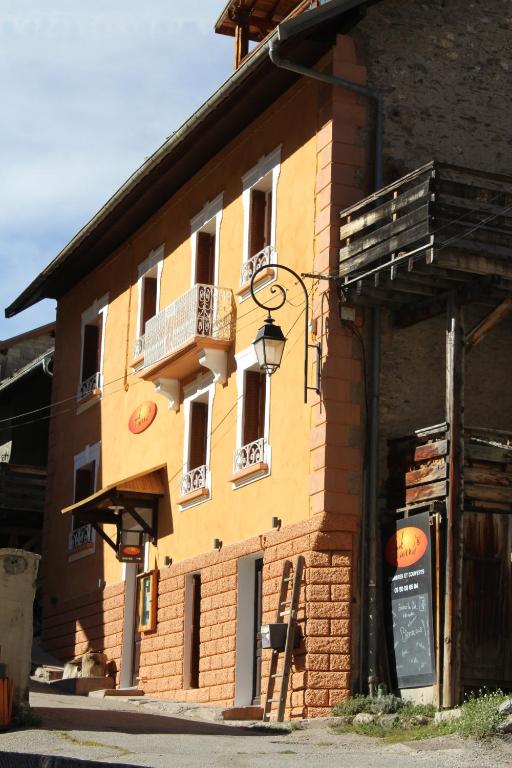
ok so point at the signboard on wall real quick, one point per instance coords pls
(5, 452)
(142, 417)
(407, 557)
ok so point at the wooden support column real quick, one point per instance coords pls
(241, 43)
(455, 360)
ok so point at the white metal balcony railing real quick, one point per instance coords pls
(250, 454)
(260, 259)
(88, 386)
(81, 536)
(193, 480)
(138, 347)
(204, 310)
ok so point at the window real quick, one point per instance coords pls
(259, 198)
(93, 339)
(86, 464)
(195, 481)
(148, 288)
(252, 454)
(147, 594)
(205, 232)
(255, 386)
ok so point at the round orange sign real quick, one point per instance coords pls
(142, 417)
(406, 547)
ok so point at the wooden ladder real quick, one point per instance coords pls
(287, 608)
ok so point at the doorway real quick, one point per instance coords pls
(248, 635)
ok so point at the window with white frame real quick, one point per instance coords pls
(93, 341)
(205, 236)
(148, 289)
(259, 200)
(253, 454)
(195, 485)
(86, 465)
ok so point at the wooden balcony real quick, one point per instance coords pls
(418, 469)
(193, 332)
(22, 494)
(437, 230)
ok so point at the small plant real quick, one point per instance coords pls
(380, 705)
(479, 714)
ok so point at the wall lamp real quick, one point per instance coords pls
(276, 522)
(217, 544)
(270, 340)
(167, 560)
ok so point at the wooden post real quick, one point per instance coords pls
(455, 359)
(241, 43)
(438, 688)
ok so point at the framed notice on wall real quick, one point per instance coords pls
(407, 556)
(147, 584)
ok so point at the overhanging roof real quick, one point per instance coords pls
(43, 360)
(131, 492)
(260, 15)
(245, 95)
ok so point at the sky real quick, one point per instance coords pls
(88, 91)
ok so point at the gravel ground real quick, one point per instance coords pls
(116, 731)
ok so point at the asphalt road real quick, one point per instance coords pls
(120, 733)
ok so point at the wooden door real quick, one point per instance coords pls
(487, 602)
(258, 595)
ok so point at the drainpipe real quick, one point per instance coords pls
(369, 521)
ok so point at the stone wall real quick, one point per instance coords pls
(443, 69)
(321, 664)
(22, 353)
(91, 622)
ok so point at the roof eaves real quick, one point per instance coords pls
(29, 368)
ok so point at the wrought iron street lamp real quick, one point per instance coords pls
(269, 346)
(270, 340)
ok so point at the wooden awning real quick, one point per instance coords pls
(108, 505)
(260, 16)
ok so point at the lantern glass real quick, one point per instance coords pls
(269, 346)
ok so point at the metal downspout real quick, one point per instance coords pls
(369, 520)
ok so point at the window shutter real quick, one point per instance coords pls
(254, 407)
(205, 258)
(149, 307)
(257, 222)
(268, 217)
(198, 435)
(90, 352)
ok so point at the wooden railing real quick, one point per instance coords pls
(445, 216)
(418, 469)
(22, 488)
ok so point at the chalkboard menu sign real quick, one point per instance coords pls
(409, 601)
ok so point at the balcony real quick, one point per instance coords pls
(251, 462)
(90, 388)
(261, 259)
(194, 331)
(418, 469)
(437, 230)
(81, 539)
(194, 486)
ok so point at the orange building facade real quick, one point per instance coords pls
(156, 379)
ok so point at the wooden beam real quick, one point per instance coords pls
(494, 317)
(241, 43)
(424, 310)
(455, 359)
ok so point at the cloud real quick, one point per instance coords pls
(87, 94)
